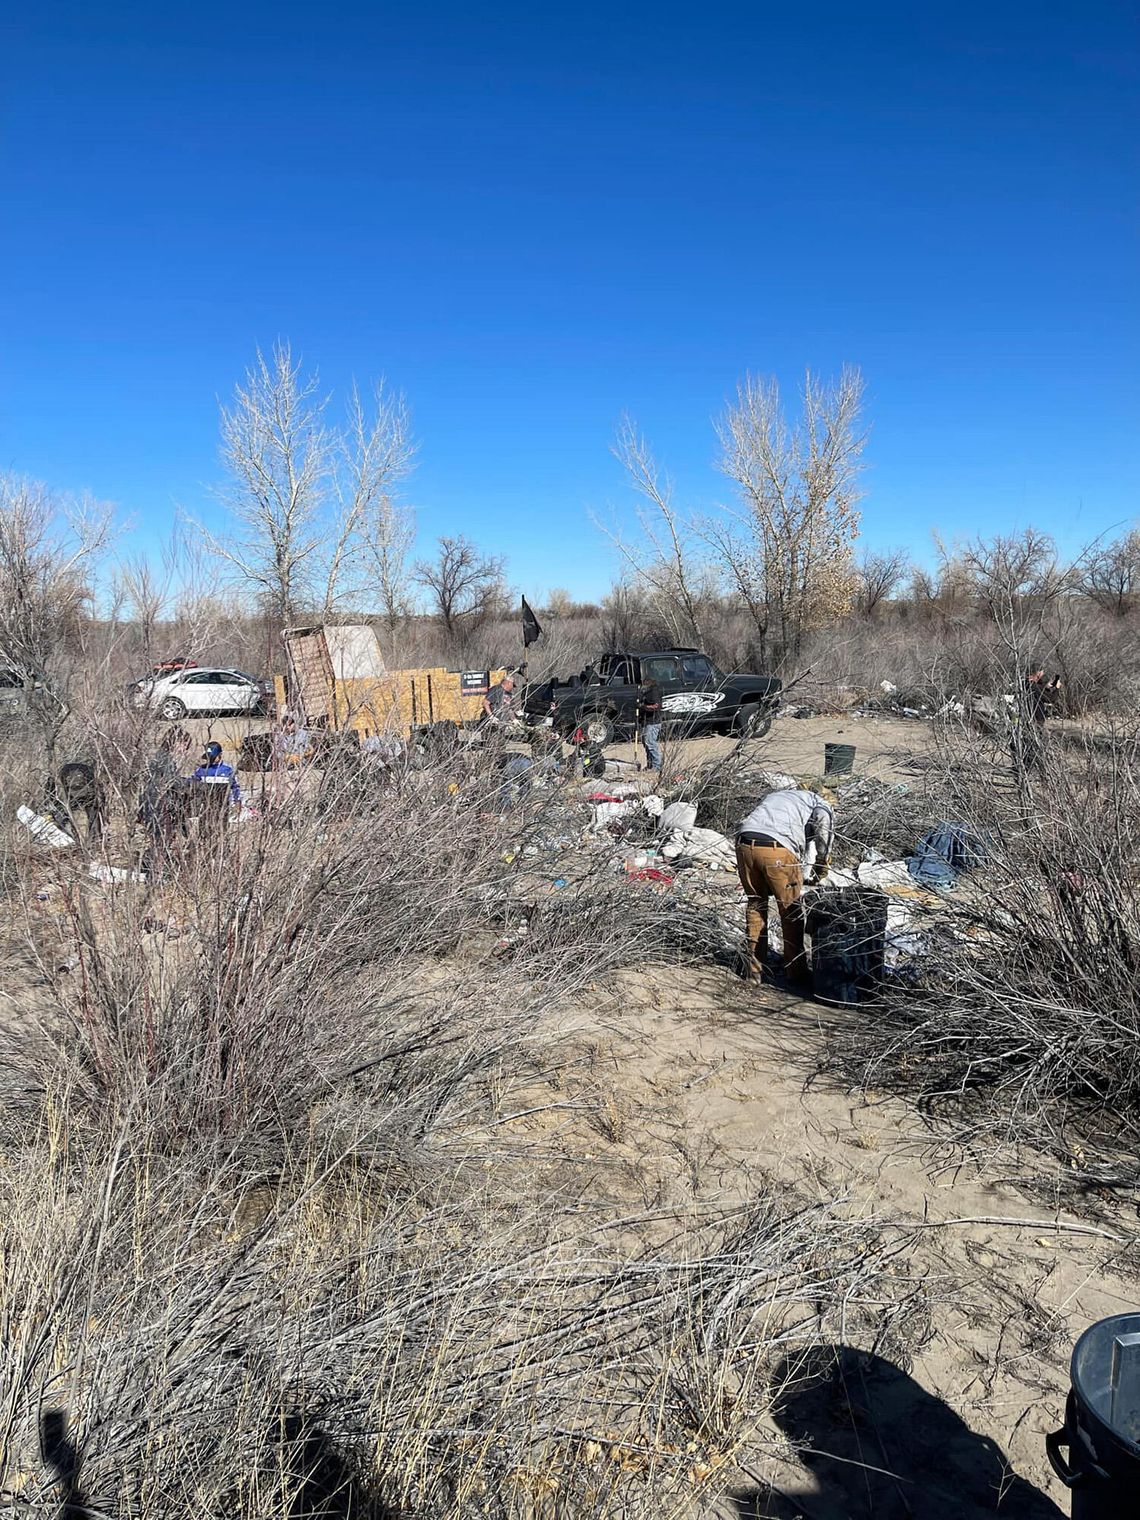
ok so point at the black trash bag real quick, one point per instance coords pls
(77, 791)
(256, 753)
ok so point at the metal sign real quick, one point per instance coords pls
(474, 683)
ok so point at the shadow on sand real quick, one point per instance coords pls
(880, 1447)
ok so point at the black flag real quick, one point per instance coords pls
(531, 628)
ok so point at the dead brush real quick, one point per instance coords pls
(268, 1246)
(1027, 1026)
(426, 1353)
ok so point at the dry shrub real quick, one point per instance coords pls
(331, 1340)
(1026, 1023)
(269, 1247)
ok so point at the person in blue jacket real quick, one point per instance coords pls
(215, 772)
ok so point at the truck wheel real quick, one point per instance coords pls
(598, 728)
(753, 721)
(172, 709)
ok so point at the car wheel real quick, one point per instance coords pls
(172, 709)
(753, 721)
(598, 728)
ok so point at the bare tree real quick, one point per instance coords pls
(559, 603)
(142, 594)
(49, 553)
(670, 565)
(279, 455)
(788, 550)
(1010, 571)
(880, 574)
(377, 526)
(464, 584)
(316, 507)
(1112, 577)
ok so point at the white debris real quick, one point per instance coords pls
(42, 830)
(705, 846)
(99, 872)
(679, 816)
(884, 873)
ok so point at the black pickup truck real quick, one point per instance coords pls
(696, 697)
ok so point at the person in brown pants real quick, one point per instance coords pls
(771, 845)
(772, 871)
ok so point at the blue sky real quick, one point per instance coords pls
(530, 218)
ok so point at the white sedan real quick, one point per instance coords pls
(200, 693)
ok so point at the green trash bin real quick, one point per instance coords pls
(838, 759)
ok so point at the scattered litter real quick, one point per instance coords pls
(650, 873)
(42, 830)
(777, 781)
(888, 688)
(99, 872)
(884, 873)
(615, 791)
(609, 811)
(704, 846)
(679, 816)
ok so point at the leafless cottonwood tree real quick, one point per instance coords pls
(50, 550)
(670, 565)
(880, 573)
(376, 455)
(465, 585)
(787, 548)
(315, 507)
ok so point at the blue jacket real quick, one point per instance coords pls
(219, 775)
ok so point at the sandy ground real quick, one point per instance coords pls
(796, 745)
(703, 1086)
(883, 746)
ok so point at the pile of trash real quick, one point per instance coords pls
(898, 703)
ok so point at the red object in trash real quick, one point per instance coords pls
(650, 873)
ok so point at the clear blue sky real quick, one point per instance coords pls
(532, 217)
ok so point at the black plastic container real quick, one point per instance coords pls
(1102, 1422)
(838, 759)
(848, 929)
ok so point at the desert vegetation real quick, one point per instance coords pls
(299, 1220)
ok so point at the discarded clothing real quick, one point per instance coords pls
(946, 853)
